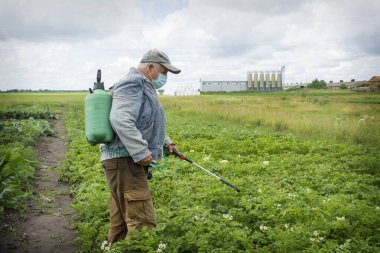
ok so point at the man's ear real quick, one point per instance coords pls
(150, 65)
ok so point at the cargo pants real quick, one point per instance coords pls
(131, 205)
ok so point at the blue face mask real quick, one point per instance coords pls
(160, 81)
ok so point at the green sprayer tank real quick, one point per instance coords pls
(97, 112)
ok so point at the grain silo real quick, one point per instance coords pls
(256, 81)
(262, 85)
(267, 81)
(279, 81)
(273, 81)
(249, 80)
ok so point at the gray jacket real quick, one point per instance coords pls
(137, 119)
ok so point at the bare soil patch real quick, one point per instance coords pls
(44, 226)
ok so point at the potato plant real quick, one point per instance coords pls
(26, 111)
(297, 195)
(16, 169)
(17, 158)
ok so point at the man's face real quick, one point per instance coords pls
(156, 70)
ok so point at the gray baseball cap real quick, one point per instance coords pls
(160, 57)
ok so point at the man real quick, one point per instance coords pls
(139, 123)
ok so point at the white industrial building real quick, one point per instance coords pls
(259, 81)
(224, 86)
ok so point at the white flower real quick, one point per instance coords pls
(312, 239)
(105, 246)
(263, 228)
(259, 190)
(278, 205)
(326, 200)
(206, 158)
(238, 155)
(291, 195)
(228, 216)
(341, 246)
(378, 208)
(266, 162)
(191, 151)
(161, 247)
(286, 226)
(321, 238)
(340, 218)
(316, 233)
(224, 161)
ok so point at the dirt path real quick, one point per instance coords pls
(44, 227)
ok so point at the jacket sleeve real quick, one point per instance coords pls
(167, 141)
(126, 103)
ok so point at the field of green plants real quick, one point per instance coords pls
(306, 163)
(20, 127)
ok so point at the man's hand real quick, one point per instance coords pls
(146, 161)
(170, 149)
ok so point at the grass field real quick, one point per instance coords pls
(338, 115)
(306, 162)
(334, 115)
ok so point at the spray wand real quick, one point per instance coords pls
(182, 157)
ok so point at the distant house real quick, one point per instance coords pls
(375, 82)
(349, 85)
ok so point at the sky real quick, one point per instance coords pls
(60, 45)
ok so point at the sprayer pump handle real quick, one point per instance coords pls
(99, 76)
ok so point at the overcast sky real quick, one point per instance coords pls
(56, 44)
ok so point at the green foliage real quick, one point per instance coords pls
(17, 165)
(26, 111)
(296, 195)
(364, 84)
(311, 114)
(24, 131)
(317, 84)
(88, 182)
(16, 168)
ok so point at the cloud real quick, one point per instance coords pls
(46, 20)
(50, 44)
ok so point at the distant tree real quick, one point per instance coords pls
(161, 91)
(365, 84)
(316, 84)
(14, 90)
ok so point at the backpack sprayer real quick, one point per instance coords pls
(182, 157)
(97, 112)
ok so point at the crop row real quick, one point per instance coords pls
(26, 111)
(17, 157)
(296, 195)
